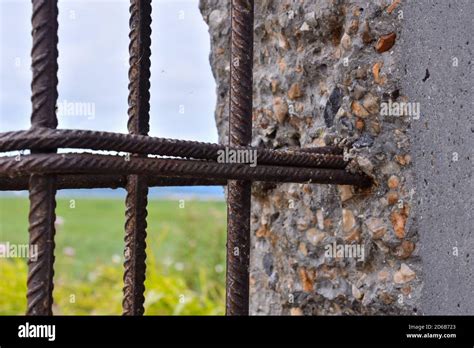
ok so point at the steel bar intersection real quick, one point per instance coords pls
(149, 161)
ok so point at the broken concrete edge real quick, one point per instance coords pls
(322, 71)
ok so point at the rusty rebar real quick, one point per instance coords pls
(137, 188)
(69, 163)
(84, 181)
(42, 189)
(45, 171)
(240, 134)
(111, 181)
(320, 157)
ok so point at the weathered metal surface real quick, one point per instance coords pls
(104, 164)
(240, 133)
(320, 157)
(84, 181)
(137, 189)
(42, 189)
(44, 171)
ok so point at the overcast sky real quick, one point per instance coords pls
(93, 67)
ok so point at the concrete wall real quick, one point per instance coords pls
(323, 71)
(437, 42)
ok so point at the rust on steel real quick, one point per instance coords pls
(82, 163)
(42, 189)
(184, 162)
(240, 134)
(319, 157)
(84, 181)
(137, 187)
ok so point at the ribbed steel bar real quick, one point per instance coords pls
(240, 134)
(325, 150)
(42, 189)
(322, 157)
(85, 181)
(105, 164)
(137, 188)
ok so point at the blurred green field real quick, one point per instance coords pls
(185, 263)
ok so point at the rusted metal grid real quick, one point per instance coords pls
(44, 171)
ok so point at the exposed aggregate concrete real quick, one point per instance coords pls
(322, 70)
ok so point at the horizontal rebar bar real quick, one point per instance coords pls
(105, 164)
(96, 140)
(88, 181)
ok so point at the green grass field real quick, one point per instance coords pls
(185, 263)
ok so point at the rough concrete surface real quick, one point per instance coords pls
(437, 39)
(323, 71)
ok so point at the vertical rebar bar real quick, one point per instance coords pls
(137, 187)
(240, 133)
(42, 189)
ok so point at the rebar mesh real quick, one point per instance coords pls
(192, 163)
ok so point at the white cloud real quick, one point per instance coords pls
(93, 45)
